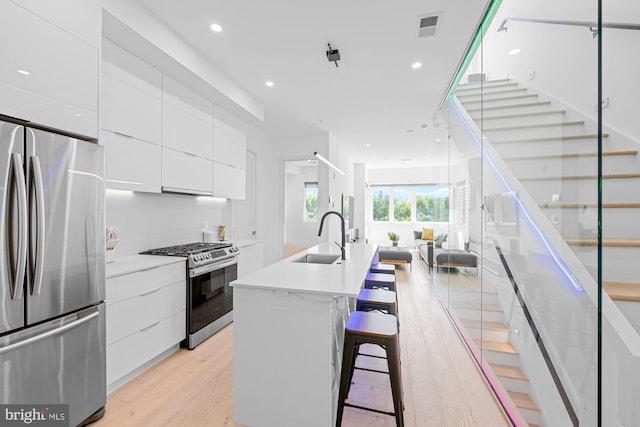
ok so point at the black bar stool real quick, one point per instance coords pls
(383, 268)
(380, 280)
(371, 328)
(377, 299)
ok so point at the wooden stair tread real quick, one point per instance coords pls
(575, 155)
(622, 291)
(589, 205)
(552, 138)
(485, 325)
(476, 306)
(573, 177)
(487, 83)
(620, 242)
(491, 92)
(509, 372)
(497, 346)
(523, 400)
(505, 98)
(501, 107)
(536, 125)
(513, 116)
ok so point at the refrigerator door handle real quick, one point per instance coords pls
(21, 263)
(50, 333)
(38, 185)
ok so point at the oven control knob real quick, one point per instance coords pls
(207, 255)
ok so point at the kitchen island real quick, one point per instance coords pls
(288, 335)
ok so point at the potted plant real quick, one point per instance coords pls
(440, 239)
(393, 237)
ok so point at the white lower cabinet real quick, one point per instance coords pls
(146, 315)
(131, 164)
(229, 182)
(251, 258)
(186, 173)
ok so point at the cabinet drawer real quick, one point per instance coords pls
(135, 314)
(186, 173)
(135, 350)
(131, 164)
(133, 284)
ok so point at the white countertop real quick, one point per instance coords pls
(130, 264)
(344, 278)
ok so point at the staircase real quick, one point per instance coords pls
(479, 312)
(553, 152)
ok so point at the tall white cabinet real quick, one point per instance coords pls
(131, 105)
(187, 140)
(230, 160)
(50, 58)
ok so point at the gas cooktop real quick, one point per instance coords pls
(198, 253)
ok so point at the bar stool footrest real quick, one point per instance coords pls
(351, 405)
(372, 370)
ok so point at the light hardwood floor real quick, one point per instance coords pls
(442, 386)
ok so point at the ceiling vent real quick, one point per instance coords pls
(428, 25)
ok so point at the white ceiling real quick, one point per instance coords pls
(374, 96)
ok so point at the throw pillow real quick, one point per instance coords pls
(417, 235)
(427, 234)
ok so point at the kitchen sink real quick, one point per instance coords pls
(317, 259)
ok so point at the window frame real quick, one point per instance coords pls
(413, 200)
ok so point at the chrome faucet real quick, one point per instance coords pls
(342, 247)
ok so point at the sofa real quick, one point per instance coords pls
(424, 248)
(447, 258)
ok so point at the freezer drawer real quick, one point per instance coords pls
(58, 362)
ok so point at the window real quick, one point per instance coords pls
(310, 201)
(402, 204)
(432, 203)
(380, 202)
(407, 203)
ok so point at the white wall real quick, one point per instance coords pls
(299, 232)
(565, 58)
(148, 221)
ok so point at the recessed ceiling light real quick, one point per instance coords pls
(409, 131)
(78, 115)
(438, 140)
(215, 27)
(424, 125)
(416, 65)
(367, 145)
(26, 73)
(269, 83)
(514, 51)
(427, 157)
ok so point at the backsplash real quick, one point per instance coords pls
(147, 220)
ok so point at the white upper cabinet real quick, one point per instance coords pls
(78, 17)
(49, 70)
(229, 182)
(229, 144)
(131, 95)
(187, 120)
(186, 173)
(131, 164)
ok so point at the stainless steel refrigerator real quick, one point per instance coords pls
(52, 271)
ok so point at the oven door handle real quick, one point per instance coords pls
(212, 267)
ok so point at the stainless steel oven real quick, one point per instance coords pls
(211, 267)
(210, 299)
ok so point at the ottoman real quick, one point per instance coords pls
(395, 255)
(450, 258)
